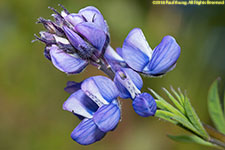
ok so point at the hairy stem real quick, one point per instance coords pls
(214, 133)
(107, 70)
(217, 142)
(217, 137)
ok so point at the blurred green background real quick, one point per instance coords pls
(31, 88)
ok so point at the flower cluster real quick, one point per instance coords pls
(74, 40)
(94, 101)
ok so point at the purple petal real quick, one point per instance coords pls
(114, 59)
(106, 87)
(74, 38)
(93, 34)
(124, 93)
(137, 40)
(144, 105)
(137, 61)
(92, 14)
(107, 117)
(112, 55)
(80, 104)
(74, 19)
(67, 63)
(134, 76)
(85, 50)
(101, 88)
(87, 133)
(119, 51)
(72, 87)
(47, 37)
(164, 56)
(121, 84)
(135, 43)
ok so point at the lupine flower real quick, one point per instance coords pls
(74, 40)
(139, 56)
(129, 83)
(94, 102)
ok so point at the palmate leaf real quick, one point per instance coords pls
(176, 119)
(190, 139)
(164, 105)
(181, 114)
(168, 107)
(215, 107)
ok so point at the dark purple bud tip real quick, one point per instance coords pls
(48, 24)
(47, 53)
(64, 9)
(46, 38)
(144, 105)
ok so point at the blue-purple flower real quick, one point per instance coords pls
(75, 39)
(139, 56)
(94, 101)
(136, 55)
(129, 83)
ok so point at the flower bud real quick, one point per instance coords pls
(144, 105)
(84, 35)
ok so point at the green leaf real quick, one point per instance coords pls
(179, 97)
(165, 115)
(190, 139)
(192, 116)
(214, 106)
(184, 123)
(181, 94)
(176, 119)
(156, 95)
(161, 103)
(167, 106)
(176, 103)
